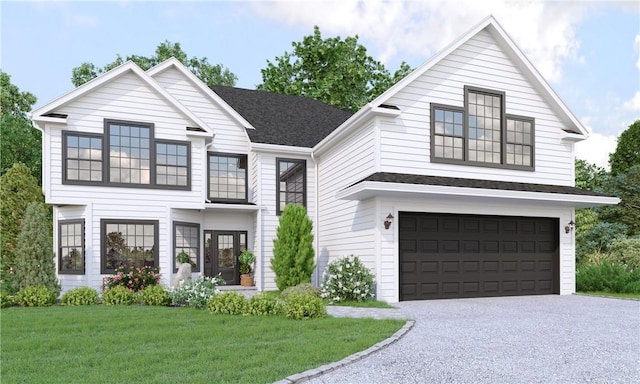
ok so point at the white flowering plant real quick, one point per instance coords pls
(196, 293)
(347, 279)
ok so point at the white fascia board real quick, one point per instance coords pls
(173, 62)
(283, 149)
(232, 207)
(49, 120)
(572, 137)
(368, 189)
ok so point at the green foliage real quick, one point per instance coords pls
(626, 186)
(302, 288)
(6, 300)
(598, 237)
(133, 278)
(589, 176)
(245, 259)
(263, 304)
(210, 74)
(34, 263)
(21, 143)
(607, 276)
(626, 252)
(80, 296)
(36, 296)
(119, 296)
(293, 255)
(17, 189)
(334, 71)
(155, 295)
(301, 306)
(347, 279)
(12, 100)
(196, 293)
(227, 303)
(627, 153)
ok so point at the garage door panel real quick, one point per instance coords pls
(477, 256)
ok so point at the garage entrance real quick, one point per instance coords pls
(454, 256)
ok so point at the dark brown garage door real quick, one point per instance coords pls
(451, 256)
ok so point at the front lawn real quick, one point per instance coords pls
(97, 344)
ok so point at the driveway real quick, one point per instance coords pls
(530, 339)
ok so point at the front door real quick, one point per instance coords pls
(221, 251)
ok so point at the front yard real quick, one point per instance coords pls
(97, 344)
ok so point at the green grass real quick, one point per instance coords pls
(613, 294)
(364, 304)
(135, 344)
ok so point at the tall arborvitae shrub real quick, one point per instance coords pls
(293, 255)
(34, 254)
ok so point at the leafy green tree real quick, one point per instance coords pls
(626, 186)
(17, 189)
(210, 74)
(293, 255)
(627, 152)
(12, 100)
(591, 177)
(34, 264)
(335, 71)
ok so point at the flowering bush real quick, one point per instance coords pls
(196, 293)
(347, 279)
(134, 279)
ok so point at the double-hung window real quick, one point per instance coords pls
(227, 177)
(291, 183)
(82, 158)
(71, 247)
(481, 133)
(186, 238)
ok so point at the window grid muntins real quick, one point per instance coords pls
(485, 115)
(131, 245)
(84, 158)
(171, 164)
(449, 134)
(187, 240)
(519, 142)
(227, 177)
(71, 247)
(292, 183)
(129, 154)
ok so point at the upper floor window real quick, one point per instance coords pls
(82, 157)
(129, 152)
(71, 247)
(172, 163)
(128, 243)
(227, 177)
(481, 133)
(291, 184)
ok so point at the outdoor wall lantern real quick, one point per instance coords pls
(569, 227)
(388, 221)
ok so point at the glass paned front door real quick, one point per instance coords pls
(221, 251)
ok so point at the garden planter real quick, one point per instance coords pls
(246, 280)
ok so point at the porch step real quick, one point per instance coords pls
(246, 291)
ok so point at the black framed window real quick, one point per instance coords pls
(227, 177)
(172, 164)
(71, 247)
(186, 238)
(129, 152)
(82, 157)
(481, 133)
(291, 183)
(128, 243)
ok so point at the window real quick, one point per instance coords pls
(129, 153)
(71, 247)
(227, 177)
(128, 243)
(186, 238)
(291, 184)
(481, 133)
(82, 157)
(172, 164)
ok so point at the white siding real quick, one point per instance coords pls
(480, 62)
(346, 227)
(71, 213)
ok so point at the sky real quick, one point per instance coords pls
(588, 51)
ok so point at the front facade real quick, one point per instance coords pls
(456, 182)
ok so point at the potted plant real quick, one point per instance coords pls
(246, 259)
(183, 258)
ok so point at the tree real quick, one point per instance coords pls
(17, 189)
(334, 71)
(626, 186)
(591, 177)
(627, 153)
(208, 73)
(293, 255)
(34, 254)
(12, 100)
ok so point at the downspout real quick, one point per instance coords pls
(317, 226)
(43, 157)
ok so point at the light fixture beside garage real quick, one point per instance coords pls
(388, 221)
(569, 227)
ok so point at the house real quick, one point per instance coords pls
(456, 182)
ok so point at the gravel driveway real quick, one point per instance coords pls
(530, 339)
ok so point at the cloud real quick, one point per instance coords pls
(397, 30)
(636, 48)
(634, 103)
(596, 148)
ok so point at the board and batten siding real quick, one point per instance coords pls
(346, 227)
(480, 62)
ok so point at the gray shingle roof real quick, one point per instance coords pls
(283, 119)
(387, 177)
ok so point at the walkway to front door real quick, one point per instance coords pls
(221, 251)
